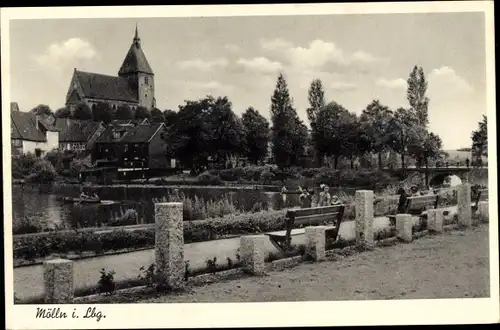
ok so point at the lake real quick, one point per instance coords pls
(37, 208)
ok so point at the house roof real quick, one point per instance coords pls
(105, 87)
(24, 127)
(72, 130)
(135, 60)
(124, 122)
(131, 134)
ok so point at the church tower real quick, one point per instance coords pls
(139, 75)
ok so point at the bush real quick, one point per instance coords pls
(354, 178)
(42, 172)
(106, 283)
(22, 165)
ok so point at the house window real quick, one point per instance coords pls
(125, 147)
(38, 152)
(116, 135)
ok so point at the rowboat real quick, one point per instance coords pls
(81, 200)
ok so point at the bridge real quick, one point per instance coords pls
(438, 173)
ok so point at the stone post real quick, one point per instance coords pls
(252, 254)
(404, 225)
(58, 281)
(435, 219)
(363, 200)
(315, 242)
(464, 205)
(483, 210)
(169, 243)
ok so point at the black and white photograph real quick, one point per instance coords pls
(329, 155)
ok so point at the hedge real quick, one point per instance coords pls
(34, 246)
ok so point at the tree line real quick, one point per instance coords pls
(102, 111)
(208, 130)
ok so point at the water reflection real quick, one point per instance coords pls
(43, 208)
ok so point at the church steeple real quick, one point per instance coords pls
(137, 40)
(138, 73)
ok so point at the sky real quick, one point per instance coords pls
(358, 57)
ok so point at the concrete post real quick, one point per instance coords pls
(483, 210)
(363, 200)
(58, 281)
(435, 220)
(252, 254)
(315, 242)
(464, 205)
(169, 243)
(404, 225)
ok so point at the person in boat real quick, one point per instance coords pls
(83, 195)
(324, 197)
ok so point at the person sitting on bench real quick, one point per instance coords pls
(335, 200)
(324, 197)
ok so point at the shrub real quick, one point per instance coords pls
(106, 283)
(22, 165)
(354, 178)
(266, 176)
(42, 172)
(153, 278)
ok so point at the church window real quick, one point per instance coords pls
(146, 80)
(146, 95)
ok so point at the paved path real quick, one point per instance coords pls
(28, 281)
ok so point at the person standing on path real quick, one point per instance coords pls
(284, 191)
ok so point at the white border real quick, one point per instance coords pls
(400, 312)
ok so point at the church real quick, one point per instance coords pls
(133, 87)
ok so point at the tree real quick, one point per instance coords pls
(124, 112)
(228, 131)
(417, 87)
(142, 113)
(289, 134)
(480, 141)
(403, 131)
(335, 132)
(64, 112)
(102, 112)
(256, 135)
(316, 99)
(82, 111)
(42, 109)
(375, 122)
(169, 116)
(157, 116)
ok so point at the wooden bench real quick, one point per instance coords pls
(416, 205)
(331, 216)
(482, 195)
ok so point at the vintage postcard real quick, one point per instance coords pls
(250, 165)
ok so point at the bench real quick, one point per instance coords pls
(331, 216)
(416, 205)
(482, 195)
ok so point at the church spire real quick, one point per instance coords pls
(137, 40)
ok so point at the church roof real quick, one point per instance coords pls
(105, 87)
(24, 127)
(135, 61)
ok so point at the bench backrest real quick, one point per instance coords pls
(482, 195)
(417, 204)
(314, 216)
